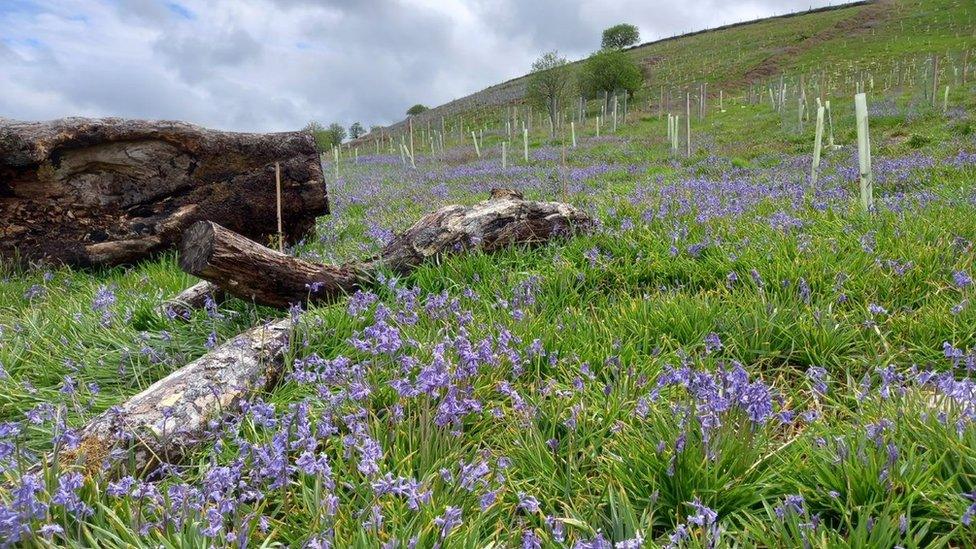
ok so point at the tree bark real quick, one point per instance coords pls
(250, 271)
(172, 417)
(109, 191)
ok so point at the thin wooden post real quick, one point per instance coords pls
(572, 129)
(935, 79)
(504, 156)
(335, 155)
(281, 234)
(525, 144)
(598, 125)
(864, 151)
(688, 122)
(477, 149)
(945, 101)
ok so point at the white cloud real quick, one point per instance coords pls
(261, 65)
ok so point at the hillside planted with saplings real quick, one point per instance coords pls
(737, 355)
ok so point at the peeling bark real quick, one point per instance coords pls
(171, 418)
(110, 191)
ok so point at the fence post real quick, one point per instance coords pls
(281, 234)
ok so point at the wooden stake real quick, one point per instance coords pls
(572, 129)
(525, 144)
(477, 149)
(504, 157)
(281, 234)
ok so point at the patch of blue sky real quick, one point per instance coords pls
(180, 10)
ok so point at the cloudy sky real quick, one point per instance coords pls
(264, 65)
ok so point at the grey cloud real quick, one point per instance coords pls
(276, 64)
(195, 56)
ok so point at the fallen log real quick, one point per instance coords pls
(254, 272)
(193, 298)
(90, 192)
(171, 418)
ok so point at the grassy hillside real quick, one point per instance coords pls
(735, 357)
(862, 34)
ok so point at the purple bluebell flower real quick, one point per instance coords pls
(449, 520)
(528, 503)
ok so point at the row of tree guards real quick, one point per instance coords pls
(929, 78)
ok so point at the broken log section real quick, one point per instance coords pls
(172, 416)
(90, 192)
(256, 273)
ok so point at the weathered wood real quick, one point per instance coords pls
(109, 191)
(171, 418)
(248, 270)
(256, 273)
(193, 298)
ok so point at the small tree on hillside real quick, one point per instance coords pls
(549, 83)
(416, 109)
(609, 72)
(620, 36)
(323, 139)
(356, 130)
(337, 134)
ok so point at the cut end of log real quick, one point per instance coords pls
(197, 247)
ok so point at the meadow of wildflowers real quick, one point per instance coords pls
(731, 358)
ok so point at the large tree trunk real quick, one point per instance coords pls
(171, 418)
(250, 271)
(109, 191)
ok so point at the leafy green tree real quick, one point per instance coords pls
(416, 109)
(550, 82)
(323, 140)
(337, 134)
(356, 130)
(620, 36)
(609, 72)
